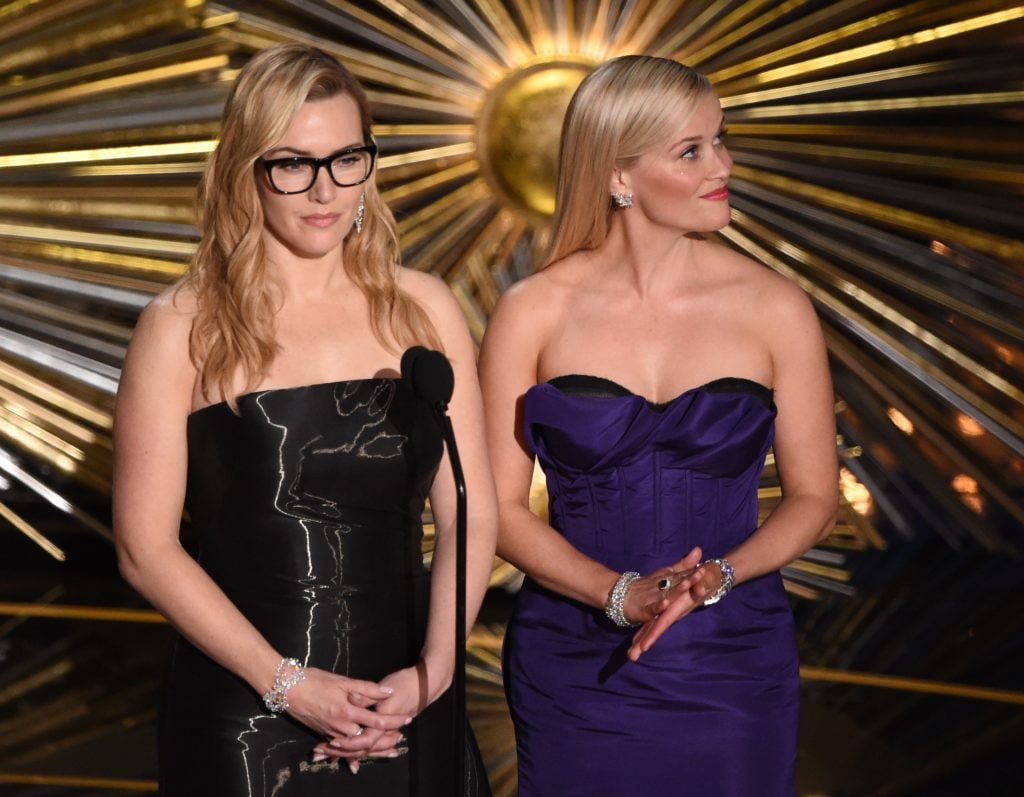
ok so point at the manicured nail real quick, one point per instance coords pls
(353, 767)
(393, 754)
(387, 690)
(318, 757)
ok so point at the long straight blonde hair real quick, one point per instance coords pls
(621, 110)
(233, 330)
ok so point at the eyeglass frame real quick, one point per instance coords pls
(317, 164)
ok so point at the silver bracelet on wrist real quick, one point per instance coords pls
(727, 579)
(616, 604)
(289, 673)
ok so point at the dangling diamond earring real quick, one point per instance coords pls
(622, 200)
(360, 212)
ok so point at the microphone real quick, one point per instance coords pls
(429, 374)
(430, 377)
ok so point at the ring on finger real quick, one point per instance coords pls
(665, 583)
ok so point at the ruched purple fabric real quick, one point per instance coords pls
(712, 707)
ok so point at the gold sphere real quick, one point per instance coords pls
(519, 129)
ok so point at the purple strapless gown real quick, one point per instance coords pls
(712, 708)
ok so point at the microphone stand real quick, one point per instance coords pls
(459, 683)
(429, 375)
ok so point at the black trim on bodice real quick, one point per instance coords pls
(602, 387)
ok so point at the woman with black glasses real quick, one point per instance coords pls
(263, 393)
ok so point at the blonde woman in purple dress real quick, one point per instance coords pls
(649, 370)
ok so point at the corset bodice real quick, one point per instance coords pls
(635, 484)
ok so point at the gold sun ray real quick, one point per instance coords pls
(797, 30)
(447, 36)
(722, 35)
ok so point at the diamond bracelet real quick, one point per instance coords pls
(289, 673)
(615, 607)
(727, 579)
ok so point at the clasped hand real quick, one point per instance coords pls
(658, 607)
(359, 719)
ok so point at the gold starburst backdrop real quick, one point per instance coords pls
(878, 163)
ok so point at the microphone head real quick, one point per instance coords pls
(429, 374)
(409, 358)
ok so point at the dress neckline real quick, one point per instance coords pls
(722, 384)
(288, 388)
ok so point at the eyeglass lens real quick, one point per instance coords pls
(297, 174)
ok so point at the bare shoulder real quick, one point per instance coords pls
(158, 354)
(784, 317)
(540, 300)
(762, 293)
(168, 315)
(433, 295)
(420, 284)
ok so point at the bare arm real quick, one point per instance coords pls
(150, 463)
(508, 368)
(805, 456)
(435, 671)
(805, 447)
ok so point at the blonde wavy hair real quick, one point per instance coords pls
(621, 110)
(233, 330)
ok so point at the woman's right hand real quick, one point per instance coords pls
(645, 600)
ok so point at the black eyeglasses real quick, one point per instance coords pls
(298, 174)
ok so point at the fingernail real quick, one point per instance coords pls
(393, 754)
(387, 690)
(407, 720)
(318, 757)
(353, 767)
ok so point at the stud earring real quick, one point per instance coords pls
(622, 200)
(360, 213)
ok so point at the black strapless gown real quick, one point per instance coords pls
(308, 510)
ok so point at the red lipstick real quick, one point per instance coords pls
(718, 194)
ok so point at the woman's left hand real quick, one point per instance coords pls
(411, 693)
(687, 593)
(371, 743)
(410, 697)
